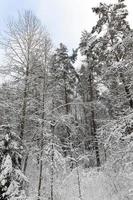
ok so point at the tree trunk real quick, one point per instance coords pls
(41, 155)
(86, 122)
(66, 112)
(127, 90)
(22, 124)
(93, 124)
(40, 171)
(25, 95)
(42, 133)
(25, 163)
(67, 109)
(24, 106)
(52, 165)
(79, 184)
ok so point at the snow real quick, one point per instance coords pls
(20, 175)
(6, 168)
(102, 184)
(94, 186)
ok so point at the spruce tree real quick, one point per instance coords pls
(91, 74)
(11, 177)
(112, 29)
(63, 83)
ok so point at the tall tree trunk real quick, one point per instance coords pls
(24, 105)
(79, 184)
(127, 90)
(41, 151)
(23, 117)
(93, 124)
(40, 170)
(66, 101)
(52, 165)
(25, 95)
(42, 126)
(95, 140)
(25, 162)
(86, 121)
(67, 110)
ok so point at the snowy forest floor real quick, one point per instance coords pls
(94, 185)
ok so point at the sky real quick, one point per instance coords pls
(64, 19)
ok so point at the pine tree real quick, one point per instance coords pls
(113, 25)
(63, 77)
(11, 178)
(87, 48)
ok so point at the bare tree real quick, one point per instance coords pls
(25, 39)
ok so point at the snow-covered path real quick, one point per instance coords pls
(94, 186)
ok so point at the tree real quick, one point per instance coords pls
(26, 45)
(11, 177)
(24, 37)
(62, 81)
(42, 79)
(87, 47)
(112, 19)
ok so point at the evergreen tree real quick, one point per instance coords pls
(63, 84)
(91, 75)
(11, 177)
(113, 25)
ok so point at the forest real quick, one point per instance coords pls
(66, 133)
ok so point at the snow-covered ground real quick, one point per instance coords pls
(94, 185)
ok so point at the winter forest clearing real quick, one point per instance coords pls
(66, 133)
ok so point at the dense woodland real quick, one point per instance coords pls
(66, 130)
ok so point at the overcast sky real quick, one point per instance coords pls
(64, 19)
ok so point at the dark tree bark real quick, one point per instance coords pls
(127, 90)
(42, 137)
(93, 123)
(52, 164)
(24, 104)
